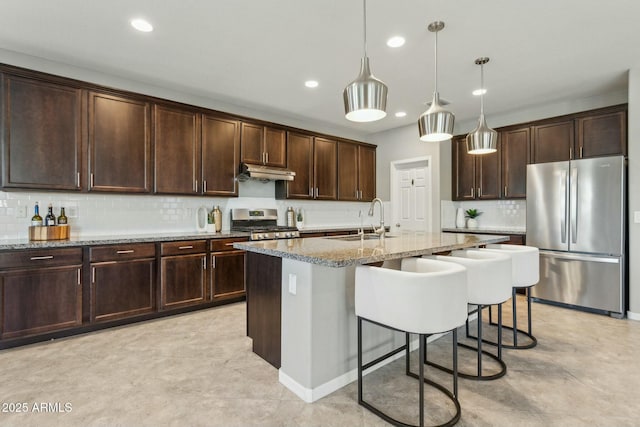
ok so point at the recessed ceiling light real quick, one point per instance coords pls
(401, 114)
(479, 92)
(141, 25)
(311, 83)
(395, 41)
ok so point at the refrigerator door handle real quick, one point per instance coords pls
(568, 256)
(563, 219)
(573, 205)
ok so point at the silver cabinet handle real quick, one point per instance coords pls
(310, 192)
(79, 280)
(472, 192)
(266, 157)
(195, 187)
(92, 180)
(479, 191)
(505, 191)
(204, 263)
(213, 261)
(38, 258)
(128, 251)
(78, 178)
(317, 192)
(204, 185)
(185, 247)
(580, 151)
(93, 275)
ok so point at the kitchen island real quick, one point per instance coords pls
(300, 302)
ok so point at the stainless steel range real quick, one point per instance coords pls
(262, 224)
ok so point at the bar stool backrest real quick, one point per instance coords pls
(427, 302)
(525, 263)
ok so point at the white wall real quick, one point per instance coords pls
(634, 194)
(401, 144)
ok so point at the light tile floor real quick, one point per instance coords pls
(197, 369)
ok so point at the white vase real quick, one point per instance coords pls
(460, 218)
(472, 223)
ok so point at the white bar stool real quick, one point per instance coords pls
(525, 265)
(489, 283)
(430, 298)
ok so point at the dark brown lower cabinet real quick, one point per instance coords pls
(122, 289)
(227, 275)
(40, 300)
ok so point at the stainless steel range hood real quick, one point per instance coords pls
(268, 173)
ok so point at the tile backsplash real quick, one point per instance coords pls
(108, 214)
(495, 213)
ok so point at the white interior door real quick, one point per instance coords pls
(412, 195)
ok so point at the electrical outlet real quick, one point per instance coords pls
(293, 283)
(21, 212)
(636, 217)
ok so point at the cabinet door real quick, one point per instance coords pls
(463, 170)
(122, 289)
(367, 172)
(42, 135)
(602, 135)
(220, 154)
(183, 280)
(325, 162)
(275, 147)
(552, 142)
(252, 143)
(227, 275)
(515, 157)
(40, 300)
(299, 160)
(119, 144)
(348, 171)
(176, 145)
(488, 175)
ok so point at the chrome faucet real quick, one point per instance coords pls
(379, 231)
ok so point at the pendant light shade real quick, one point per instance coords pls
(436, 124)
(483, 139)
(365, 98)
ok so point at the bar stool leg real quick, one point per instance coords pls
(421, 356)
(480, 340)
(515, 318)
(360, 360)
(455, 363)
(500, 331)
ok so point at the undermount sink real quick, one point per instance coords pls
(355, 237)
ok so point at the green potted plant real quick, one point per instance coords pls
(471, 215)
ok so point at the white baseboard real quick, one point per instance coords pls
(633, 316)
(310, 395)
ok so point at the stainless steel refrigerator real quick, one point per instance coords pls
(576, 217)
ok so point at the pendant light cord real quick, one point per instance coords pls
(482, 89)
(364, 18)
(436, 64)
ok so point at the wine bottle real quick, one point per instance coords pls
(36, 219)
(62, 218)
(50, 219)
(217, 218)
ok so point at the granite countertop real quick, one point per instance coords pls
(488, 230)
(14, 244)
(336, 252)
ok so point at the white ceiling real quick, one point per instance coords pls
(258, 53)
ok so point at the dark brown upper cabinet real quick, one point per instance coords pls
(325, 169)
(176, 145)
(474, 177)
(515, 147)
(119, 143)
(263, 145)
(299, 160)
(356, 172)
(220, 155)
(602, 134)
(42, 134)
(552, 142)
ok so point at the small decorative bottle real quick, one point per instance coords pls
(36, 219)
(50, 219)
(299, 218)
(62, 219)
(217, 218)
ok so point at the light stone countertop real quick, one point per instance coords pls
(114, 239)
(336, 252)
(490, 230)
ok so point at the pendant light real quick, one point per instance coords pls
(436, 124)
(365, 98)
(483, 139)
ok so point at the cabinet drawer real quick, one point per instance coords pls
(219, 245)
(41, 258)
(118, 252)
(183, 247)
